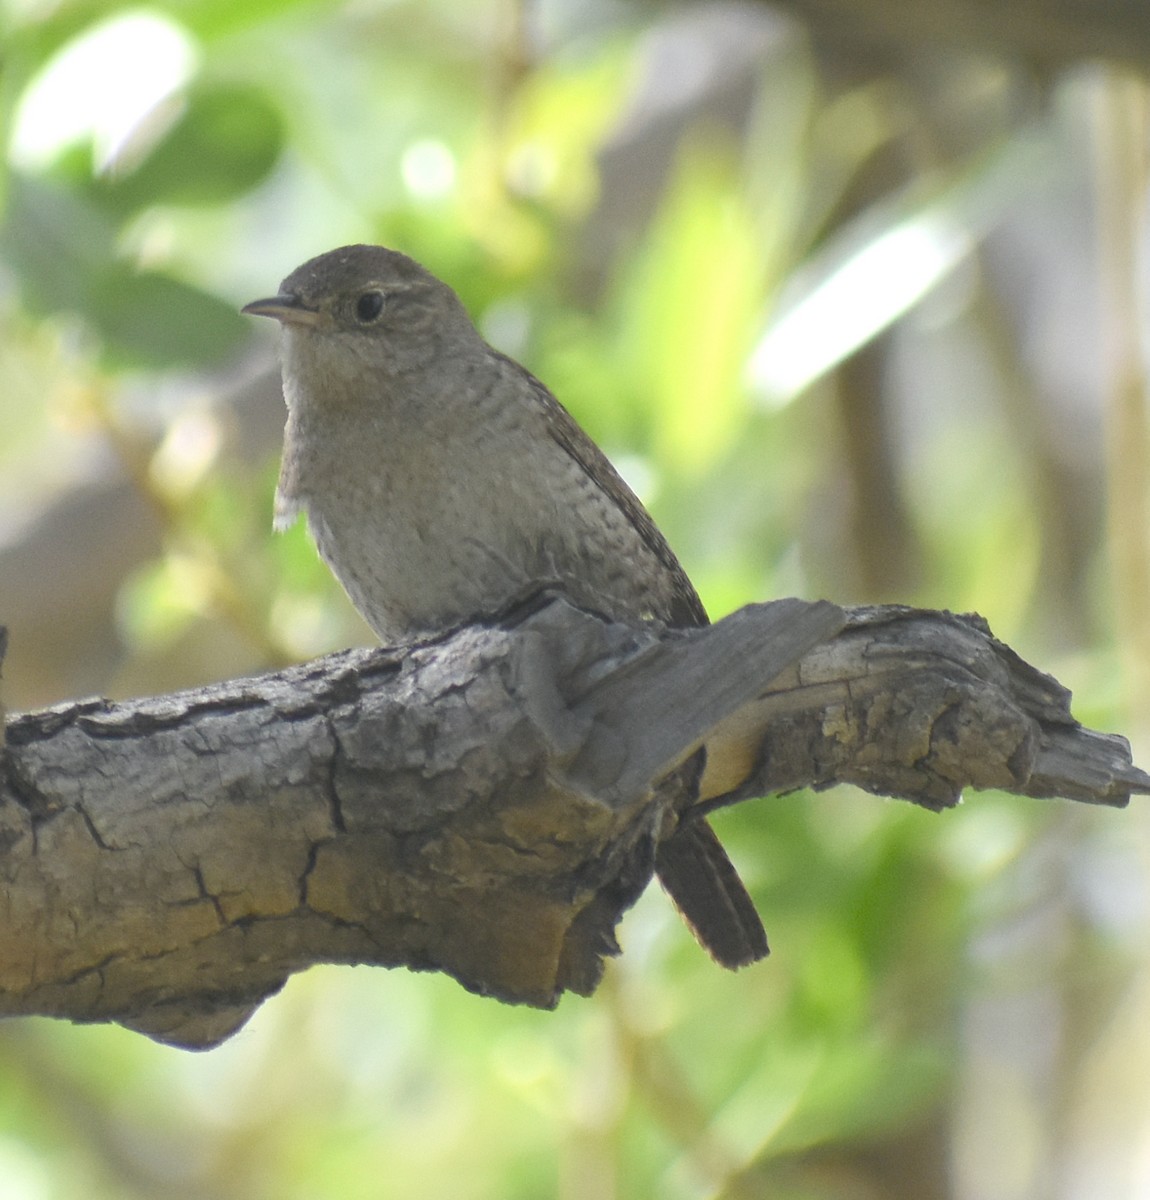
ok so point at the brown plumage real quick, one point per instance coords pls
(439, 479)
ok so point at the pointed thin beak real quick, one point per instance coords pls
(286, 308)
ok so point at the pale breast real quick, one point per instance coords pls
(433, 510)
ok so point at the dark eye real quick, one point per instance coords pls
(368, 307)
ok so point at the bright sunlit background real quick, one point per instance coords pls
(851, 332)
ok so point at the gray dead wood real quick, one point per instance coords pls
(486, 804)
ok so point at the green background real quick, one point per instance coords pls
(955, 1005)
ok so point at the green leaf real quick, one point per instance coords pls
(63, 252)
(225, 142)
(152, 320)
(692, 301)
(55, 242)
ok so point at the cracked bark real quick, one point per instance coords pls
(485, 804)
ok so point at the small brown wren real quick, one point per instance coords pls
(440, 479)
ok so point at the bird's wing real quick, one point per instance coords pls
(686, 607)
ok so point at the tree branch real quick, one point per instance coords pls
(1042, 33)
(486, 804)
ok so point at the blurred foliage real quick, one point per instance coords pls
(291, 126)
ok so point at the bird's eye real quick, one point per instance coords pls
(368, 307)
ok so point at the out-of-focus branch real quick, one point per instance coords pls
(1042, 33)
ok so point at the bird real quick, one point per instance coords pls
(439, 479)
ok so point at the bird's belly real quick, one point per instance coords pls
(430, 544)
(419, 572)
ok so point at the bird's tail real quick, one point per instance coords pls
(694, 869)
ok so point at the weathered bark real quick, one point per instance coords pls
(486, 804)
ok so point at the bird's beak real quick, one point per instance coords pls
(286, 308)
